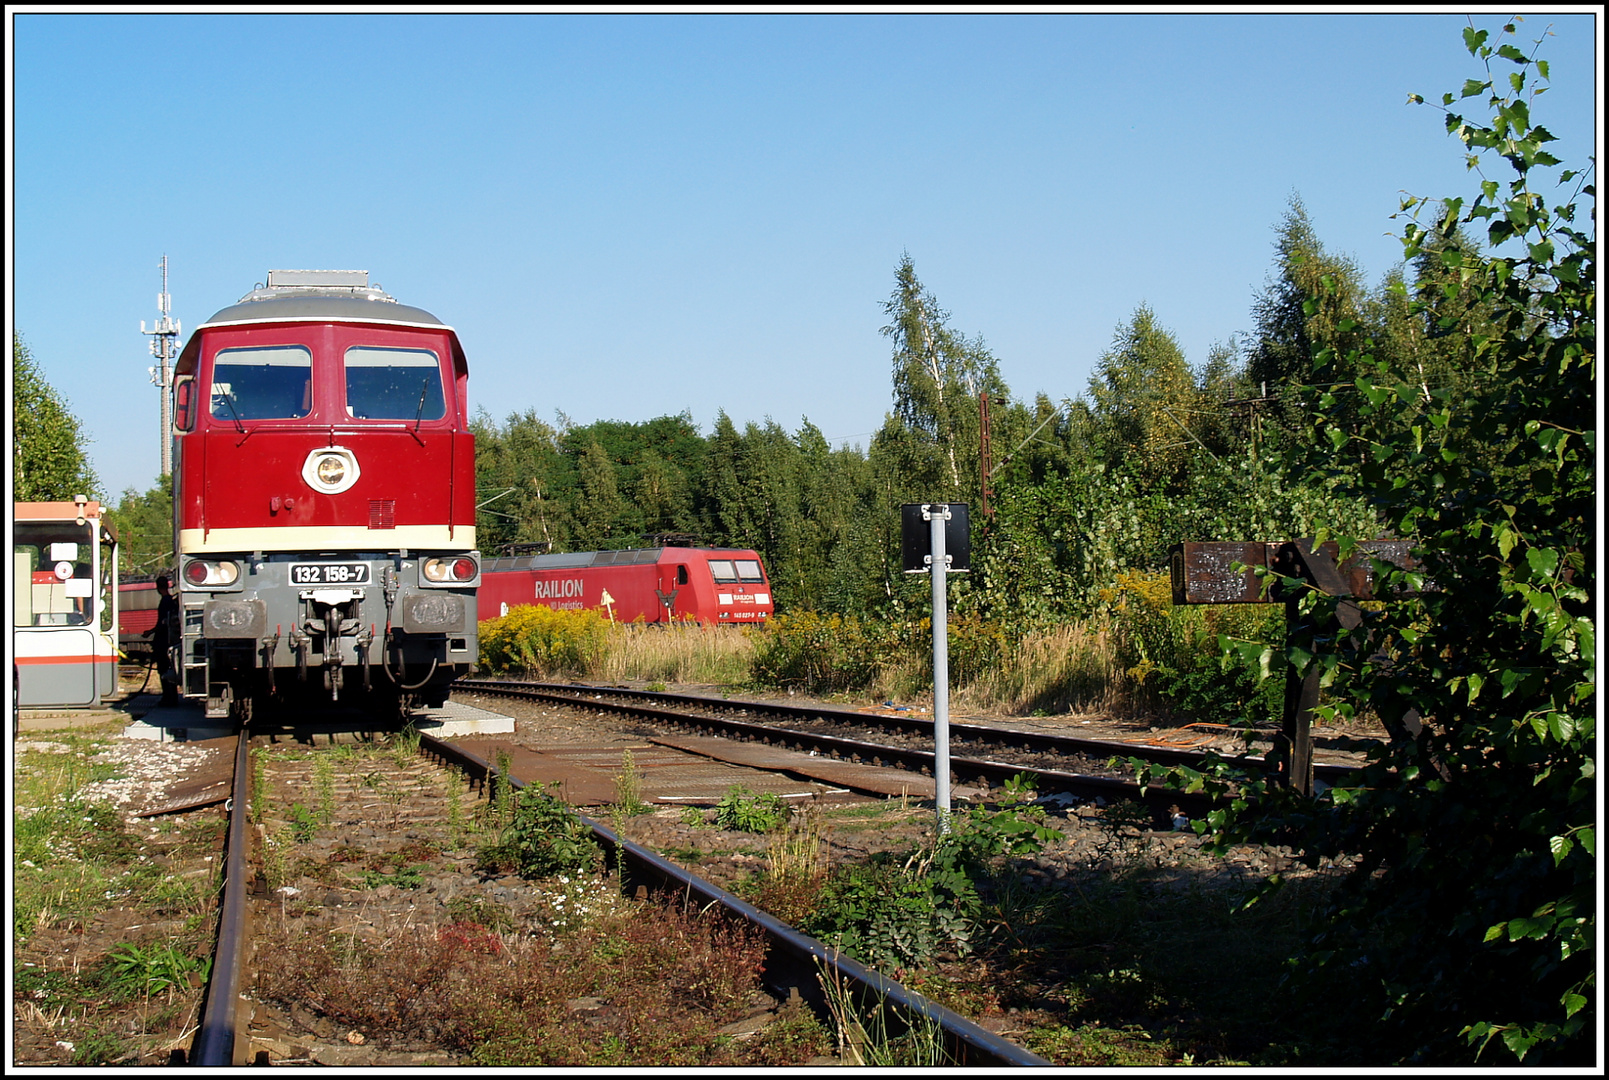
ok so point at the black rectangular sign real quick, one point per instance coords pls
(916, 538)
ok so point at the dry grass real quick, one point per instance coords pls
(1065, 669)
(796, 867)
(684, 653)
(1070, 668)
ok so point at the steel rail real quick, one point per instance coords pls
(1157, 797)
(214, 1044)
(793, 960)
(1032, 741)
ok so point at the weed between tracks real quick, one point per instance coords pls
(607, 982)
(502, 941)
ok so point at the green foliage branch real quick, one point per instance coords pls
(1468, 920)
(545, 838)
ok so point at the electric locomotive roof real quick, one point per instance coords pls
(571, 560)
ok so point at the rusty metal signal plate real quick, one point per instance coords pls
(1203, 573)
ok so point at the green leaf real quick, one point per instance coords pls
(1519, 929)
(1543, 562)
(1519, 1042)
(1561, 846)
(1506, 539)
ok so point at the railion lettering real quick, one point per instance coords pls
(558, 590)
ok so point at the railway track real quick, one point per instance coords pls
(232, 1027)
(991, 756)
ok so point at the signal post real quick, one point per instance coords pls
(935, 538)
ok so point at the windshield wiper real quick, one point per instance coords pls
(228, 399)
(424, 392)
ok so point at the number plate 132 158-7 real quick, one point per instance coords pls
(330, 573)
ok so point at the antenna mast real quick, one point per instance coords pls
(164, 336)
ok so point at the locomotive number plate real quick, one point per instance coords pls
(330, 573)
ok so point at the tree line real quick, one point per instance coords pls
(1153, 450)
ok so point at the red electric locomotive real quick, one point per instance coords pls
(654, 585)
(324, 497)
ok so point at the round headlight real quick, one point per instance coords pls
(331, 470)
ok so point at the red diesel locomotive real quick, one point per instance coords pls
(654, 585)
(324, 499)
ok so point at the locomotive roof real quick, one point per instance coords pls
(283, 304)
(317, 301)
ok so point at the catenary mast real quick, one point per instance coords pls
(164, 337)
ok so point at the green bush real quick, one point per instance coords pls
(545, 838)
(540, 640)
(814, 651)
(897, 913)
(885, 917)
(821, 652)
(745, 811)
(1196, 660)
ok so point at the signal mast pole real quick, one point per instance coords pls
(164, 335)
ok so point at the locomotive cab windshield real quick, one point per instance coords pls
(393, 384)
(273, 383)
(731, 571)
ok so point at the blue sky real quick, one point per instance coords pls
(626, 216)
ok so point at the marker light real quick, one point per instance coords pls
(446, 570)
(205, 573)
